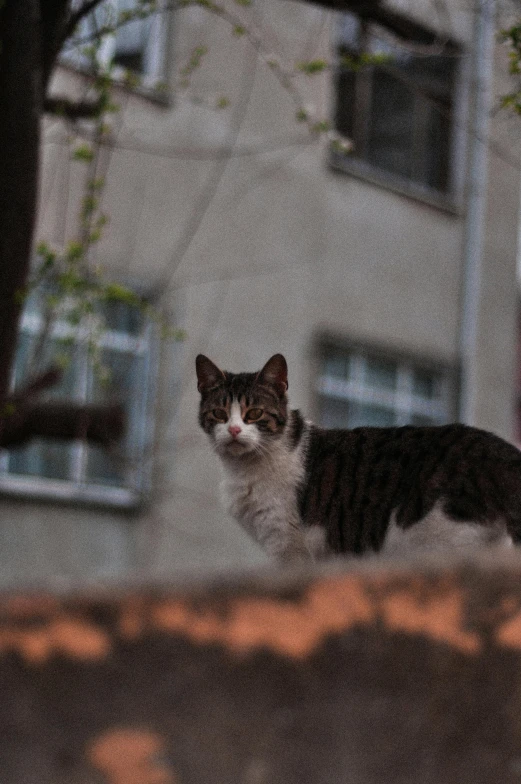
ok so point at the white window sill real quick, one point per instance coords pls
(39, 489)
(349, 164)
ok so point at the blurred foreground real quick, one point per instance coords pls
(384, 673)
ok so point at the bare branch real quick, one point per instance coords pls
(39, 383)
(374, 11)
(78, 15)
(355, 6)
(71, 110)
(99, 424)
(24, 418)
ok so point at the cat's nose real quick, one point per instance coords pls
(234, 430)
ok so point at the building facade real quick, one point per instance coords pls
(386, 275)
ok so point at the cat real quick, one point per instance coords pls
(307, 493)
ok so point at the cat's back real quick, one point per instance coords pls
(356, 479)
(454, 445)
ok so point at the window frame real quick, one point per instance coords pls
(136, 484)
(148, 81)
(449, 199)
(358, 391)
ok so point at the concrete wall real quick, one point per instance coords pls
(286, 248)
(381, 675)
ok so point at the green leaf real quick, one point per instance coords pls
(161, 87)
(75, 250)
(47, 254)
(63, 360)
(84, 153)
(312, 67)
(322, 126)
(173, 333)
(118, 293)
(131, 79)
(89, 204)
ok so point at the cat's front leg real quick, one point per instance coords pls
(288, 552)
(273, 522)
(284, 541)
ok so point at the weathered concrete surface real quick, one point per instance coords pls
(373, 676)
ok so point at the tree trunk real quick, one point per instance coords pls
(20, 111)
(31, 33)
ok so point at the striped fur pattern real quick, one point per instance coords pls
(305, 492)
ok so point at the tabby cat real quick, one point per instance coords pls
(304, 492)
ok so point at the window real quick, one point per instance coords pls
(138, 46)
(398, 114)
(358, 388)
(75, 469)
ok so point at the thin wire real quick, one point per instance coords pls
(275, 144)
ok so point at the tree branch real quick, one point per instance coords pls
(24, 418)
(53, 14)
(354, 6)
(71, 110)
(37, 384)
(76, 17)
(373, 11)
(99, 424)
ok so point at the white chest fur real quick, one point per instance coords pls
(261, 494)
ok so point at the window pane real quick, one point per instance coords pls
(433, 74)
(380, 374)
(361, 414)
(104, 468)
(345, 105)
(67, 357)
(437, 151)
(131, 40)
(120, 317)
(335, 413)
(337, 366)
(78, 461)
(45, 458)
(348, 30)
(385, 393)
(51, 353)
(398, 114)
(24, 351)
(424, 384)
(390, 142)
(124, 385)
(121, 380)
(84, 36)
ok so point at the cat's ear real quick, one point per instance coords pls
(275, 373)
(208, 374)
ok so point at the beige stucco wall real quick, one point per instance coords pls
(285, 248)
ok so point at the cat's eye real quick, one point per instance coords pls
(220, 414)
(253, 414)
